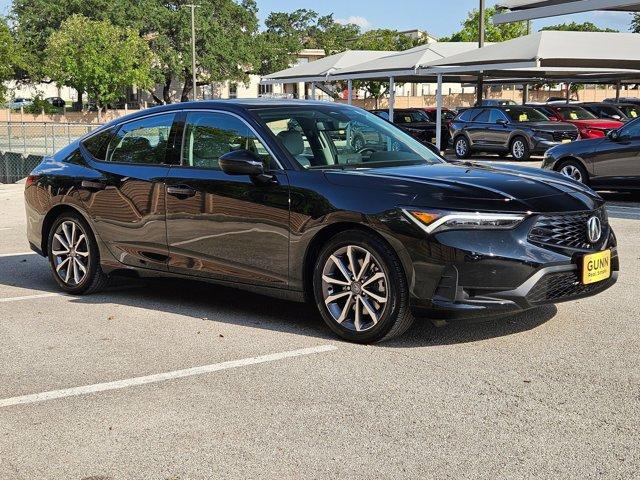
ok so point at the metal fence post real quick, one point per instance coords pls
(24, 139)
(46, 146)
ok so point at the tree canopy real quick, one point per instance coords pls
(97, 57)
(7, 56)
(578, 27)
(493, 33)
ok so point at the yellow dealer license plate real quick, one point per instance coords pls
(566, 140)
(596, 267)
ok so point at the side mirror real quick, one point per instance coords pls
(502, 121)
(241, 162)
(614, 135)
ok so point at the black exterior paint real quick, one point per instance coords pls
(263, 236)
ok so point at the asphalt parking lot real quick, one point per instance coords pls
(179, 380)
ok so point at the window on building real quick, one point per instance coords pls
(265, 89)
(233, 90)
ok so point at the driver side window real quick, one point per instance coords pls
(209, 135)
(631, 129)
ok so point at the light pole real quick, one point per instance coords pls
(480, 86)
(193, 48)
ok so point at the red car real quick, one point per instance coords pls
(588, 124)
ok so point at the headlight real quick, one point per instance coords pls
(432, 221)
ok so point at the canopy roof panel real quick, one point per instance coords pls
(595, 50)
(326, 65)
(532, 9)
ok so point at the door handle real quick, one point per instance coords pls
(91, 185)
(181, 191)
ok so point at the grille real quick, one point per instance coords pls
(560, 286)
(568, 135)
(568, 230)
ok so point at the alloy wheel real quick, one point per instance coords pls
(518, 149)
(572, 171)
(355, 288)
(461, 147)
(70, 252)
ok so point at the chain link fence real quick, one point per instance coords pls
(23, 144)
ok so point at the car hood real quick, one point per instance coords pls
(550, 126)
(597, 123)
(471, 186)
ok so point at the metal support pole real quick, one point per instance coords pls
(439, 114)
(568, 93)
(313, 90)
(350, 92)
(481, 27)
(392, 97)
(193, 48)
(618, 85)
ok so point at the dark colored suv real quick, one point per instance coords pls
(520, 131)
(267, 197)
(416, 123)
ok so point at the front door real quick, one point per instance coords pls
(127, 201)
(618, 164)
(233, 228)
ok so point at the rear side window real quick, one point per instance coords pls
(483, 117)
(143, 141)
(97, 144)
(467, 115)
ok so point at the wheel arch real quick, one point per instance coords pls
(323, 235)
(54, 213)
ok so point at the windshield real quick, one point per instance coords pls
(411, 116)
(630, 111)
(339, 137)
(523, 114)
(575, 113)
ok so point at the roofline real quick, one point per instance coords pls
(567, 8)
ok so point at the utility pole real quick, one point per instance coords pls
(480, 86)
(193, 48)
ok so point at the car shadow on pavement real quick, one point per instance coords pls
(23, 275)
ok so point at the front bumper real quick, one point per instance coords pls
(540, 146)
(489, 273)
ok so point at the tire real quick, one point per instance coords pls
(574, 169)
(359, 313)
(84, 252)
(461, 147)
(519, 149)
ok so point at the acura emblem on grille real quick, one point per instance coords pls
(594, 229)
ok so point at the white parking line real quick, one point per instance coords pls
(17, 254)
(160, 377)
(30, 297)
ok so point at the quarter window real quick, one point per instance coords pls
(209, 135)
(143, 141)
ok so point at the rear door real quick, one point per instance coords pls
(232, 228)
(618, 164)
(126, 198)
(478, 131)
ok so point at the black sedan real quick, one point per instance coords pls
(609, 163)
(520, 131)
(258, 195)
(614, 111)
(416, 122)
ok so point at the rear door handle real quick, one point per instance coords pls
(91, 185)
(181, 191)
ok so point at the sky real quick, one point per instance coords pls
(438, 17)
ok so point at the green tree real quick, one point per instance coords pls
(380, 39)
(578, 27)
(7, 57)
(493, 33)
(635, 23)
(287, 33)
(98, 58)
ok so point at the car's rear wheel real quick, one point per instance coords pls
(74, 256)
(360, 288)
(574, 169)
(462, 147)
(520, 149)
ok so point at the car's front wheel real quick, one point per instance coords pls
(74, 256)
(574, 170)
(520, 149)
(360, 288)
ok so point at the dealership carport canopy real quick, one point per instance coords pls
(578, 56)
(532, 9)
